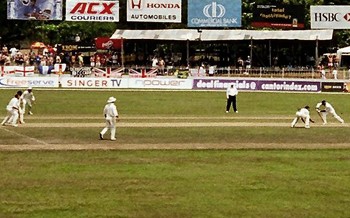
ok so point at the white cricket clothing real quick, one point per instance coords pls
(14, 102)
(329, 109)
(110, 113)
(302, 113)
(231, 91)
(12, 112)
(26, 98)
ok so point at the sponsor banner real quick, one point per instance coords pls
(333, 87)
(330, 17)
(100, 83)
(106, 43)
(160, 83)
(164, 11)
(92, 10)
(34, 9)
(219, 13)
(279, 16)
(257, 85)
(20, 82)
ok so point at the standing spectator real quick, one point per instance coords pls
(231, 94)
(80, 60)
(154, 62)
(98, 61)
(115, 59)
(161, 65)
(304, 115)
(240, 64)
(335, 73)
(324, 108)
(211, 70)
(12, 111)
(13, 51)
(103, 60)
(28, 98)
(58, 59)
(92, 61)
(111, 114)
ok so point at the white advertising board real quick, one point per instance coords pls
(96, 83)
(160, 83)
(97, 11)
(330, 17)
(164, 11)
(20, 82)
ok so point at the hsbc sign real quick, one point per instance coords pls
(86, 10)
(330, 17)
(154, 11)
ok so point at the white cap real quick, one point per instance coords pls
(30, 88)
(111, 100)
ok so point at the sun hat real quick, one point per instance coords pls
(111, 99)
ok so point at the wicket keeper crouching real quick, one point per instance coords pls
(304, 115)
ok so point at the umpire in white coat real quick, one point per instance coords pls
(231, 94)
(111, 114)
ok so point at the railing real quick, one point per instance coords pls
(145, 71)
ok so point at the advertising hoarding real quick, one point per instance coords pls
(279, 16)
(107, 43)
(20, 82)
(34, 10)
(330, 17)
(163, 11)
(219, 13)
(97, 11)
(257, 85)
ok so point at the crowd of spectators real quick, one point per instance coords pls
(49, 56)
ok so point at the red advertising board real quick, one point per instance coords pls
(107, 44)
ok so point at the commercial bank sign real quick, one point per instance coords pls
(217, 13)
(330, 17)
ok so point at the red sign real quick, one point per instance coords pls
(107, 43)
(93, 8)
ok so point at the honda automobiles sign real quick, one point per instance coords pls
(154, 11)
(86, 10)
(330, 17)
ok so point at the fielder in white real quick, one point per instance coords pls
(111, 114)
(304, 115)
(12, 111)
(324, 108)
(27, 98)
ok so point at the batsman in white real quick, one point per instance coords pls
(304, 115)
(12, 111)
(111, 114)
(27, 99)
(324, 108)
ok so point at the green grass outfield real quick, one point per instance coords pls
(177, 154)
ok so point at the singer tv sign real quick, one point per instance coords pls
(164, 11)
(330, 17)
(99, 11)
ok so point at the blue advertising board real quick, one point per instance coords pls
(218, 13)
